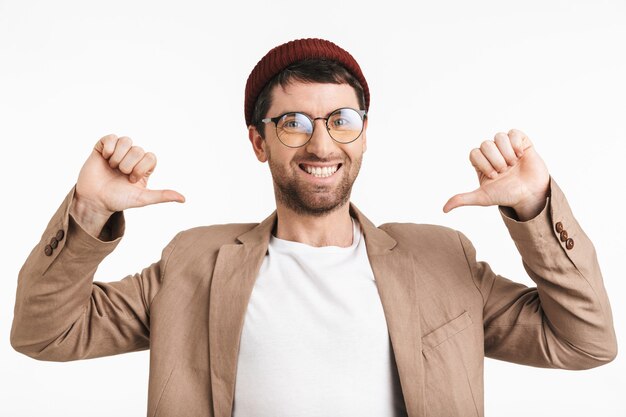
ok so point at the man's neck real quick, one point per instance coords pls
(333, 229)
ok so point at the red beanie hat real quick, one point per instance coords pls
(286, 54)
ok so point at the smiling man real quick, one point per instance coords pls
(313, 176)
(316, 311)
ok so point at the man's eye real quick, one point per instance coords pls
(340, 122)
(292, 124)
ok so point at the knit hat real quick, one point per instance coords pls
(280, 57)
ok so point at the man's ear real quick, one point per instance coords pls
(258, 143)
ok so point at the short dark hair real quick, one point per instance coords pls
(316, 70)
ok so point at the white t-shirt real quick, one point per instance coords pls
(315, 340)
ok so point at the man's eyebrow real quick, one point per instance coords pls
(305, 113)
(295, 111)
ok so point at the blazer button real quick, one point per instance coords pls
(60, 234)
(564, 235)
(570, 243)
(54, 242)
(47, 250)
(559, 227)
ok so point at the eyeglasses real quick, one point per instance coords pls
(295, 129)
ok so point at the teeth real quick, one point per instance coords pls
(321, 172)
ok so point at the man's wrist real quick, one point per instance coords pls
(90, 218)
(530, 211)
(529, 207)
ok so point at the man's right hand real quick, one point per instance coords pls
(114, 178)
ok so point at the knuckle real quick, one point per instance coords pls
(474, 153)
(125, 168)
(108, 143)
(108, 138)
(138, 171)
(150, 157)
(146, 167)
(125, 140)
(137, 150)
(500, 137)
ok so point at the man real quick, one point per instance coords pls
(315, 311)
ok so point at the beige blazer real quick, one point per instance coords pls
(445, 311)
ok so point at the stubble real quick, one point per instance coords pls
(308, 199)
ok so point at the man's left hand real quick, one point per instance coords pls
(510, 173)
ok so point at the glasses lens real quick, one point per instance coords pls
(294, 129)
(345, 125)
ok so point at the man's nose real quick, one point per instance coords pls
(321, 143)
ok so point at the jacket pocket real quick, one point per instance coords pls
(186, 393)
(443, 333)
(451, 375)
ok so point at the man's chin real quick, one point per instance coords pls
(317, 207)
(323, 207)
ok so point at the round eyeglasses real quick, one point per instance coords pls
(295, 129)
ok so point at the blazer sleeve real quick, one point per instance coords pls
(563, 322)
(61, 314)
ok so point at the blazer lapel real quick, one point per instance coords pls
(396, 281)
(235, 273)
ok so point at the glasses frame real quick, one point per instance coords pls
(362, 113)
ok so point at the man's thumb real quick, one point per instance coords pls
(148, 197)
(473, 198)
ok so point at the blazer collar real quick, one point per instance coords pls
(378, 241)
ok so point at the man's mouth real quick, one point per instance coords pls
(320, 171)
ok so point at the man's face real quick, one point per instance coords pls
(294, 187)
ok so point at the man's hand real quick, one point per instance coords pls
(114, 178)
(510, 173)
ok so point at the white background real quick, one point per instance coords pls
(443, 77)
